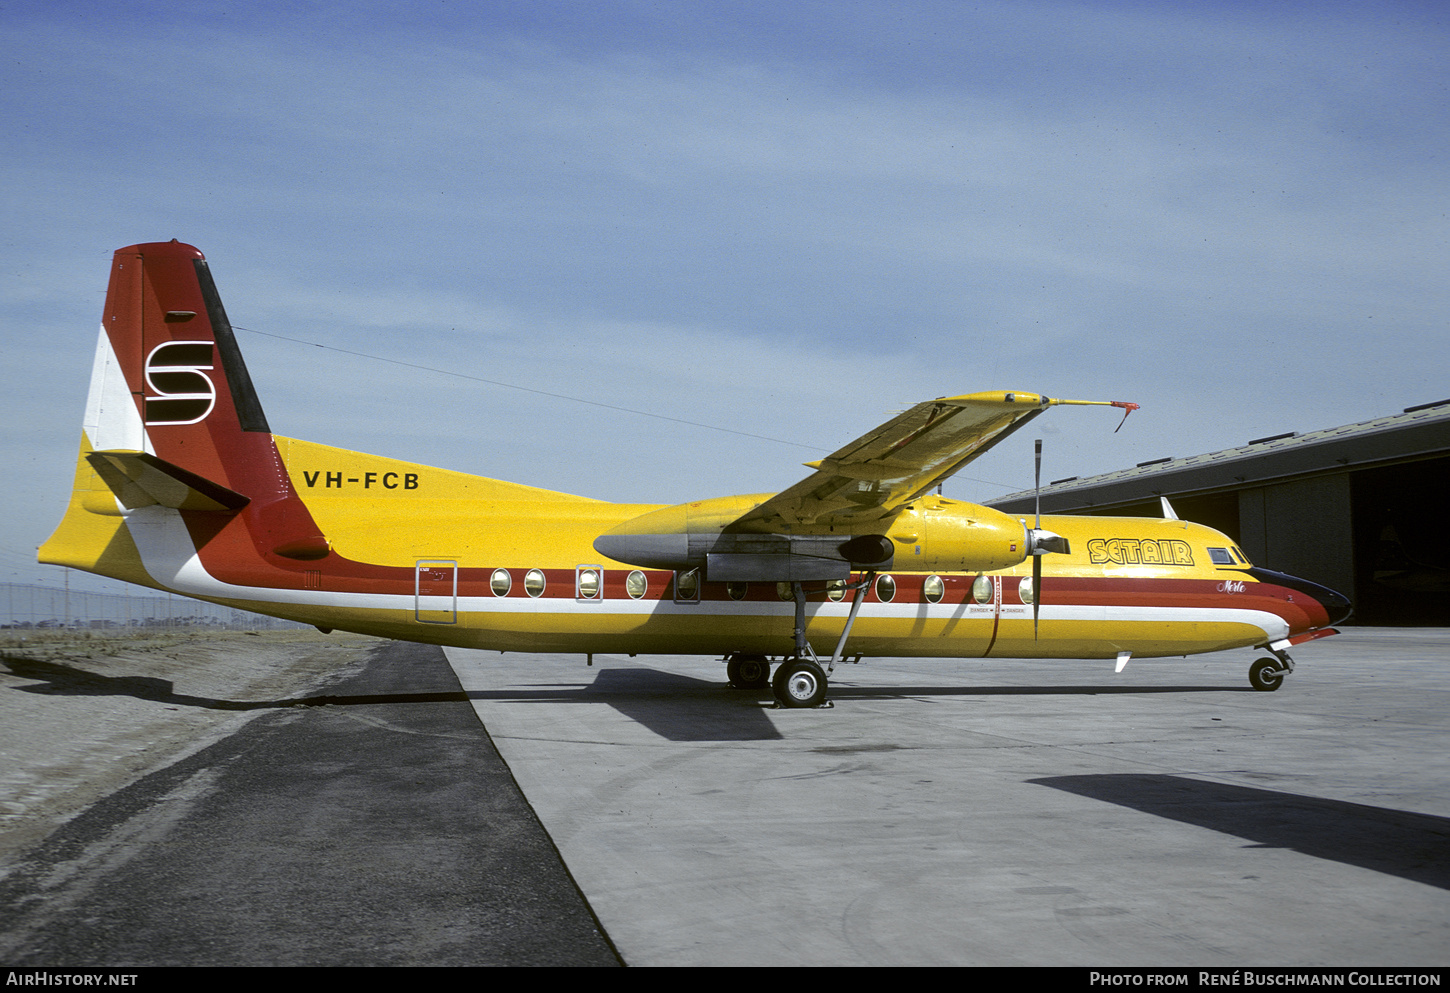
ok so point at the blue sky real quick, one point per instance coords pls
(781, 222)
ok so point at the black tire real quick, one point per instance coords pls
(799, 683)
(748, 672)
(1266, 675)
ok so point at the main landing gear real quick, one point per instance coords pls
(800, 681)
(748, 672)
(1267, 674)
(797, 682)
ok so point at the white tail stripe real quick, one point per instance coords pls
(112, 420)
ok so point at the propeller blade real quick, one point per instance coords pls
(1037, 527)
(1036, 592)
(1037, 488)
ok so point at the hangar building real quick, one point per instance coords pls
(1363, 509)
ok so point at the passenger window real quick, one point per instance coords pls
(534, 583)
(982, 589)
(933, 589)
(637, 584)
(500, 582)
(687, 586)
(587, 584)
(737, 591)
(885, 588)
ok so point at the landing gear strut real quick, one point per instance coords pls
(1267, 674)
(801, 681)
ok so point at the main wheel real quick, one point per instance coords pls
(799, 683)
(1266, 675)
(748, 672)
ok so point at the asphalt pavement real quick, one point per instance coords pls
(370, 822)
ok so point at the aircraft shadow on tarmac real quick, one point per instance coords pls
(679, 708)
(685, 708)
(676, 707)
(1395, 842)
(57, 679)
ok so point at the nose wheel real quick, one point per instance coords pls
(1267, 674)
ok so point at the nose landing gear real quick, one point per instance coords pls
(1267, 674)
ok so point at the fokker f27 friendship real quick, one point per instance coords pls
(182, 486)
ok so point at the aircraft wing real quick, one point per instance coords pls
(878, 474)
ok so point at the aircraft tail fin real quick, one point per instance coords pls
(169, 378)
(172, 418)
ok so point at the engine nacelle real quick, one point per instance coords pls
(941, 535)
(934, 535)
(692, 536)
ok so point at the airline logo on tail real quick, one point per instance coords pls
(183, 392)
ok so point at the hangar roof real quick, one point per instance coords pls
(1417, 433)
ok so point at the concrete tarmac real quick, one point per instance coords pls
(998, 813)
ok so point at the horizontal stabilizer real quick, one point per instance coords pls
(140, 479)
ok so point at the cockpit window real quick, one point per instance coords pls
(1220, 556)
(1238, 554)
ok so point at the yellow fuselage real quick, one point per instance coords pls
(431, 555)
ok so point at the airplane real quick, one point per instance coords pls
(181, 485)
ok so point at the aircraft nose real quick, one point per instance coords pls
(1336, 605)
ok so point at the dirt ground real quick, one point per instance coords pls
(83, 714)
